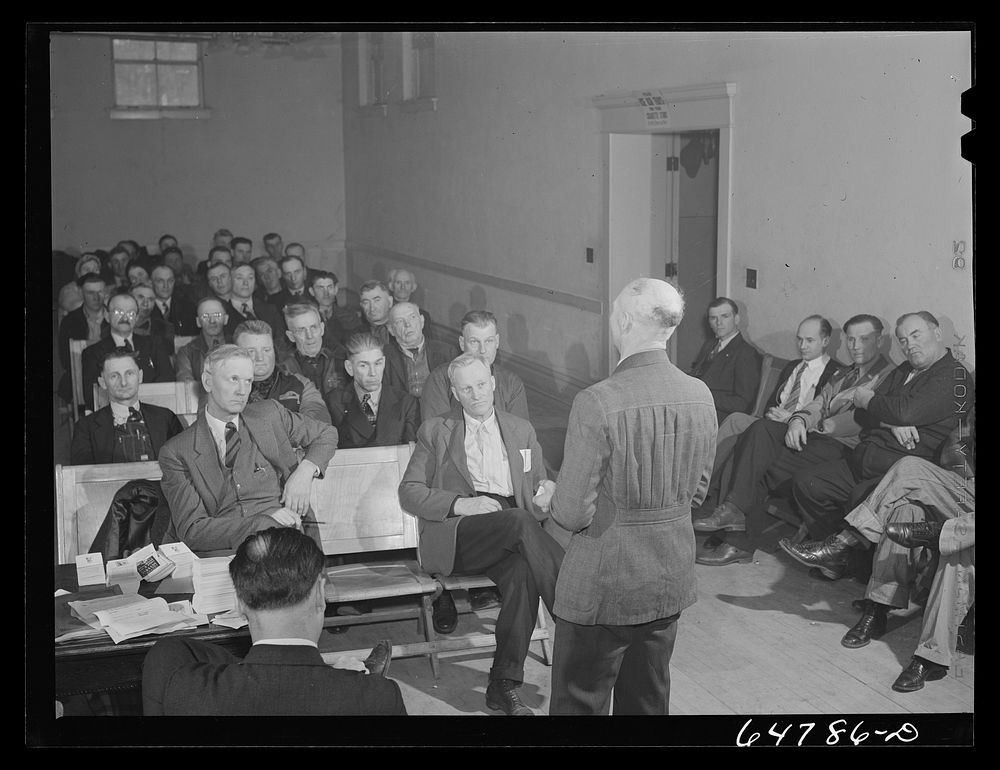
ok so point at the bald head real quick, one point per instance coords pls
(645, 314)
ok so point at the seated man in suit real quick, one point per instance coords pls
(211, 319)
(124, 431)
(293, 271)
(274, 246)
(171, 315)
(151, 352)
(402, 283)
(472, 482)
(339, 322)
(376, 302)
(242, 306)
(366, 412)
(481, 337)
(88, 322)
(411, 357)
(798, 383)
(910, 413)
(235, 471)
(729, 365)
(768, 453)
(142, 293)
(280, 588)
(308, 353)
(917, 504)
(268, 279)
(292, 391)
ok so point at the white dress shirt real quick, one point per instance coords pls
(288, 642)
(813, 371)
(487, 459)
(218, 428)
(120, 413)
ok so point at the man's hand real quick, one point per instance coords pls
(778, 414)
(795, 436)
(544, 495)
(286, 518)
(906, 435)
(862, 395)
(296, 493)
(473, 506)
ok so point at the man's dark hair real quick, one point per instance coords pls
(90, 278)
(288, 258)
(924, 314)
(216, 249)
(825, 329)
(720, 301)
(119, 249)
(164, 237)
(315, 275)
(275, 568)
(862, 318)
(362, 341)
(238, 240)
(373, 284)
(122, 352)
(479, 318)
(270, 237)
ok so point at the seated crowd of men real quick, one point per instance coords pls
(866, 453)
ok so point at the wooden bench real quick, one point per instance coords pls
(181, 398)
(76, 348)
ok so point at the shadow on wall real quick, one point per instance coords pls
(518, 340)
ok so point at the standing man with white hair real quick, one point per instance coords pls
(639, 452)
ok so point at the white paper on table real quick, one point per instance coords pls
(84, 609)
(230, 619)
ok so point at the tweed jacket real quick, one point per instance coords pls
(508, 396)
(639, 452)
(733, 375)
(193, 481)
(438, 474)
(187, 677)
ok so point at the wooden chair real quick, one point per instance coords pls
(83, 495)
(770, 371)
(76, 348)
(181, 398)
(357, 506)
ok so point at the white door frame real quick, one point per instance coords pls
(660, 111)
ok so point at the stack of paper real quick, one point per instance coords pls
(147, 616)
(124, 573)
(90, 569)
(182, 557)
(85, 611)
(213, 588)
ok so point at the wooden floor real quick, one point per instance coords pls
(763, 638)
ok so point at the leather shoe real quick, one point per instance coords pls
(381, 655)
(483, 598)
(724, 517)
(916, 673)
(712, 542)
(916, 534)
(726, 553)
(501, 695)
(830, 556)
(871, 626)
(445, 613)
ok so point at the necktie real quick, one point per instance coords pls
(366, 407)
(128, 346)
(232, 444)
(165, 310)
(852, 378)
(134, 415)
(248, 313)
(413, 351)
(793, 396)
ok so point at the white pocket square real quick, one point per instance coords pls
(526, 459)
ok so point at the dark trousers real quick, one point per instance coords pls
(513, 551)
(826, 493)
(762, 464)
(589, 662)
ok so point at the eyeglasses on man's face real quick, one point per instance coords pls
(123, 313)
(211, 316)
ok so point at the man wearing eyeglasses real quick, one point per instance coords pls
(479, 336)
(318, 360)
(151, 352)
(211, 318)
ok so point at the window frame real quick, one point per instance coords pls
(156, 112)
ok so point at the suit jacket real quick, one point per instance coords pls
(508, 396)
(94, 437)
(639, 452)
(930, 402)
(832, 367)
(182, 319)
(438, 474)
(187, 677)
(396, 422)
(153, 355)
(265, 312)
(193, 481)
(733, 375)
(190, 359)
(834, 402)
(395, 366)
(333, 375)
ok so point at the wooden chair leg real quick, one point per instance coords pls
(427, 621)
(546, 639)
